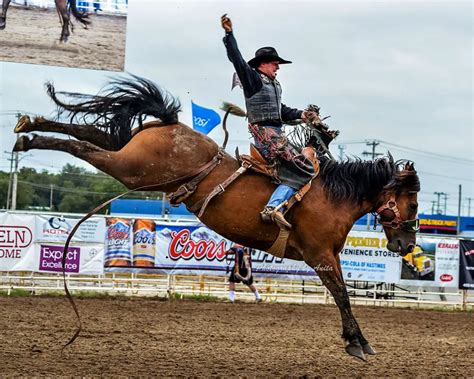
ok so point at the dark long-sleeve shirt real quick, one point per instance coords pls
(250, 78)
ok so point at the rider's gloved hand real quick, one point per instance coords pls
(310, 117)
(226, 23)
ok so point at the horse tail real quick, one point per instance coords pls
(122, 104)
(82, 17)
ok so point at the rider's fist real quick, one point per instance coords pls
(226, 23)
(311, 117)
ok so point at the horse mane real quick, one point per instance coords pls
(120, 105)
(355, 180)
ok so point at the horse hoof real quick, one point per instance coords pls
(21, 144)
(22, 124)
(368, 349)
(355, 350)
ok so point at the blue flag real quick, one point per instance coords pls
(204, 119)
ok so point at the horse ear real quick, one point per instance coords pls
(390, 157)
(409, 166)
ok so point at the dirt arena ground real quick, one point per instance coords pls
(32, 36)
(145, 337)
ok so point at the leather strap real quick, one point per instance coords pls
(187, 189)
(298, 196)
(279, 246)
(201, 205)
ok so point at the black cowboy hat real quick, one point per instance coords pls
(266, 54)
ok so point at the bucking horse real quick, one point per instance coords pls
(166, 155)
(64, 8)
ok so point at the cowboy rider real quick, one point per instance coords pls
(266, 114)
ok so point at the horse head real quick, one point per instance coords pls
(398, 208)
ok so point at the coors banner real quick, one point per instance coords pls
(466, 264)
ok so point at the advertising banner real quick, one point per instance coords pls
(466, 264)
(146, 246)
(16, 240)
(57, 229)
(365, 257)
(36, 243)
(434, 262)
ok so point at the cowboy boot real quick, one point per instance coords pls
(269, 215)
(279, 219)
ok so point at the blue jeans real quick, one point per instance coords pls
(281, 194)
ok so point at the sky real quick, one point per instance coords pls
(398, 72)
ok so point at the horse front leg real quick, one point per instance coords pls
(81, 132)
(61, 8)
(3, 14)
(329, 273)
(363, 341)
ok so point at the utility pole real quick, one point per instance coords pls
(458, 230)
(372, 153)
(438, 208)
(445, 203)
(15, 181)
(51, 186)
(9, 179)
(433, 202)
(15, 174)
(469, 206)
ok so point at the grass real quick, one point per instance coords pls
(180, 296)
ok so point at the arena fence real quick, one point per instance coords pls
(272, 290)
(111, 7)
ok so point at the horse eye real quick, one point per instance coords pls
(413, 206)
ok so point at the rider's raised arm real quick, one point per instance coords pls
(249, 78)
(290, 114)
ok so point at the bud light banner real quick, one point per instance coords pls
(466, 264)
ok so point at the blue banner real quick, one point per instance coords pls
(204, 119)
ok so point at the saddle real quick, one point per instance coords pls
(258, 163)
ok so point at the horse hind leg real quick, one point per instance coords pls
(81, 132)
(61, 8)
(97, 157)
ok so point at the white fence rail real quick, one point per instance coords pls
(272, 290)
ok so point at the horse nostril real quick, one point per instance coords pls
(411, 247)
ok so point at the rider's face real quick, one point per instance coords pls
(269, 68)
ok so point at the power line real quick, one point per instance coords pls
(431, 154)
(71, 190)
(446, 176)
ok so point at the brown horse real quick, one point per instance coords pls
(166, 154)
(63, 12)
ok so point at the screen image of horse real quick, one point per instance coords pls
(60, 34)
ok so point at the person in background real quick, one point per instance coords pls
(242, 271)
